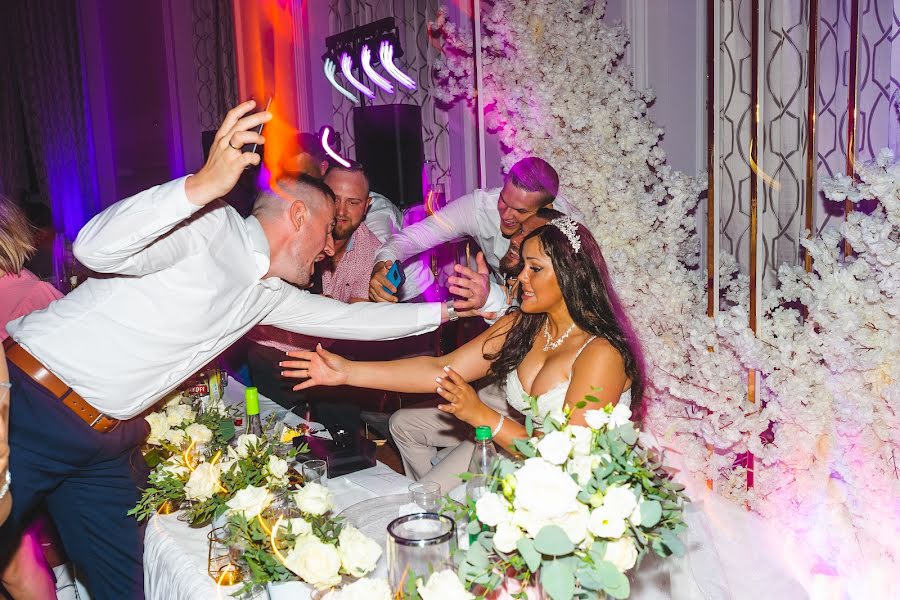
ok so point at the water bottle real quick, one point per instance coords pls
(481, 464)
(251, 402)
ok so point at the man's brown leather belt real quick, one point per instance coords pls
(32, 367)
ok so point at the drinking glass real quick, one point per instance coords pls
(426, 495)
(418, 545)
(222, 563)
(314, 470)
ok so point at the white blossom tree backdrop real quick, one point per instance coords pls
(823, 429)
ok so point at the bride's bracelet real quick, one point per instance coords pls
(498, 427)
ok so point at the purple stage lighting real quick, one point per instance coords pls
(366, 56)
(330, 69)
(346, 66)
(386, 54)
(326, 132)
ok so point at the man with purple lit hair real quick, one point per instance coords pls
(490, 217)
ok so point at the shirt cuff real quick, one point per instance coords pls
(496, 300)
(429, 315)
(174, 191)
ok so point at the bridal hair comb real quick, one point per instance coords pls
(570, 229)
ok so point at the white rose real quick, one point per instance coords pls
(619, 501)
(227, 465)
(243, 443)
(622, 553)
(250, 501)
(159, 425)
(297, 527)
(277, 467)
(544, 490)
(178, 414)
(555, 447)
(315, 562)
(359, 553)
(582, 467)
(604, 525)
(575, 523)
(506, 536)
(174, 437)
(443, 585)
(620, 415)
(203, 482)
(362, 589)
(596, 418)
(492, 510)
(199, 433)
(174, 399)
(314, 499)
(581, 439)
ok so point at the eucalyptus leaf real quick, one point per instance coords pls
(478, 556)
(651, 512)
(558, 580)
(671, 541)
(529, 426)
(473, 528)
(614, 582)
(628, 434)
(588, 579)
(553, 541)
(532, 557)
(525, 448)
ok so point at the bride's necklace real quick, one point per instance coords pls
(552, 344)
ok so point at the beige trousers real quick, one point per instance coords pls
(421, 430)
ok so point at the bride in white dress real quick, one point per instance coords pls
(570, 339)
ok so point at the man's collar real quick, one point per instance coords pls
(260, 245)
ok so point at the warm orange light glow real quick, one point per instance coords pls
(274, 545)
(186, 455)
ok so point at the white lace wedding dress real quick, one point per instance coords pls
(730, 553)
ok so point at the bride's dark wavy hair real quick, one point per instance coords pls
(591, 300)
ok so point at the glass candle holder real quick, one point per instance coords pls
(418, 545)
(223, 561)
(314, 471)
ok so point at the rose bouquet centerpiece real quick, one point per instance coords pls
(576, 515)
(298, 541)
(205, 485)
(179, 424)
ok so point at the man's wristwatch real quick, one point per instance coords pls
(451, 312)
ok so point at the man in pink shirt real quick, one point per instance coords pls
(345, 277)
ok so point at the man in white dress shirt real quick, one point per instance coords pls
(190, 277)
(490, 217)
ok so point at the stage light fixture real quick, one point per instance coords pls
(330, 69)
(326, 133)
(346, 69)
(386, 54)
(366, 58)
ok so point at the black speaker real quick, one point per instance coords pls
(389, 145)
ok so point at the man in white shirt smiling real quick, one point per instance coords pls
(191, 277)
(490, 217)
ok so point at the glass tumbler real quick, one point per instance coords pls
(418, 545)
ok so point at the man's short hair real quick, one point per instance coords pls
(273, 202)
(534, 174)
(354, 167)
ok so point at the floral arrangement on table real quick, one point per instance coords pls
(577, 514)
(823, 432)
(297, 539)
(441, 585)
(179, 423)
(206, 486)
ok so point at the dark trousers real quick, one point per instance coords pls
(89, 481)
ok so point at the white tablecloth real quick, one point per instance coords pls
(175, 554)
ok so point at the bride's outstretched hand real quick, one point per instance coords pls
(318, 367)
(465, 404)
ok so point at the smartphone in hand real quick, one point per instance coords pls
(252, 147)
(396, 276)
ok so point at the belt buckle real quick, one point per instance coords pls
(100, 417)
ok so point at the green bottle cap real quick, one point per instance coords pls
(251, 396)
(482, 433)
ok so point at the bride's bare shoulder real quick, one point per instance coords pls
(599, 355)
